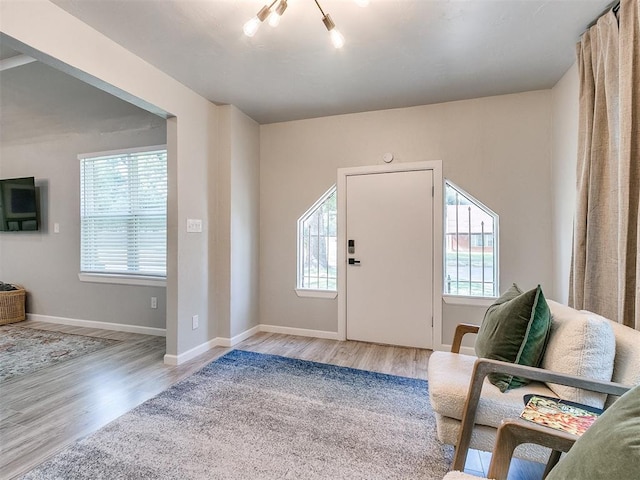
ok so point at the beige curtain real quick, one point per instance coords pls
(605, 274)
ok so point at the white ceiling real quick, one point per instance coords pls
(398, 53)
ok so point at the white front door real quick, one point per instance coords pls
(389, 271)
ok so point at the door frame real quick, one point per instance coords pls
(438, 214)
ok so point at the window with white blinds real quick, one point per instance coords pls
(123, 210)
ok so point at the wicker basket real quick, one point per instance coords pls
(12, 306)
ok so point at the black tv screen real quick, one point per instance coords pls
(18, 205)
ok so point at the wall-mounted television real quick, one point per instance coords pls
(18, 205)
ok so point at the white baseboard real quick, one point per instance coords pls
(233, 341)
(76, 322)
(193, 353)
(206, 346)
(301, 332)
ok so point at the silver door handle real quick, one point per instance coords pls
(353, 261)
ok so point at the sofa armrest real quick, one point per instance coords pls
(461, 330)
(514, 432)
(484, 367)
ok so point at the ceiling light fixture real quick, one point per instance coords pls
(274, 18)
(251, 27)
(275, 10)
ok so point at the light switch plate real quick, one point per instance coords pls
(194, 225)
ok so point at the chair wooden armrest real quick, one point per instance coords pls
(484, 367)
(514, 432)
(461, 330)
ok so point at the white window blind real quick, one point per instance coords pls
(123, 209)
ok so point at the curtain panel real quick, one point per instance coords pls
(605, 273)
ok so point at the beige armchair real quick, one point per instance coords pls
(607, 450)
(512, 431)
(469, 409)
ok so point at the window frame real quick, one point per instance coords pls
(304, 291)
(478, 300)
(125, 278)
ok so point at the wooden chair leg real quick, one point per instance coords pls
(514, 432)
(553, 459)
(506, 443)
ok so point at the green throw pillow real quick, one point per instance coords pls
(515, 330)
(610, 448)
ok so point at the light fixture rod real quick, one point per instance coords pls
(320, 8)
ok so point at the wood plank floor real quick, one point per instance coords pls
(47, 410)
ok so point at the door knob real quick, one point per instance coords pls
(353, 261)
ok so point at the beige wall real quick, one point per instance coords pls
(496, 148)
(48, 263)
(563, 177)
(49, 34)
(245, 223)
(238, 232)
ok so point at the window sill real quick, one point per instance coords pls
(303, 292)
(139, 280)
(469, 301)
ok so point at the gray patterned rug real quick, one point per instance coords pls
(24, 350)
(254, 416)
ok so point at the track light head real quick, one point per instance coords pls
(336, 37)
(274, 18)
(251, 27)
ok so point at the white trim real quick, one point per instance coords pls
(124, 151)
(233, 341)
(120, 327)
(307, 292)
(469, 301)
(15, 61)
(438, 218)
(142, 280)
(192, 353)
(301, 332)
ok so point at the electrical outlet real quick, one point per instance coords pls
(56, 228)
(154, 302)
(194, 322)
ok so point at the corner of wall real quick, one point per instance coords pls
(564, 123)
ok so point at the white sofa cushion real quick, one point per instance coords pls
(581, 344)
(449, 375)
(626, 366)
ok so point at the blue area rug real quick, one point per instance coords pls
(254, 416)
